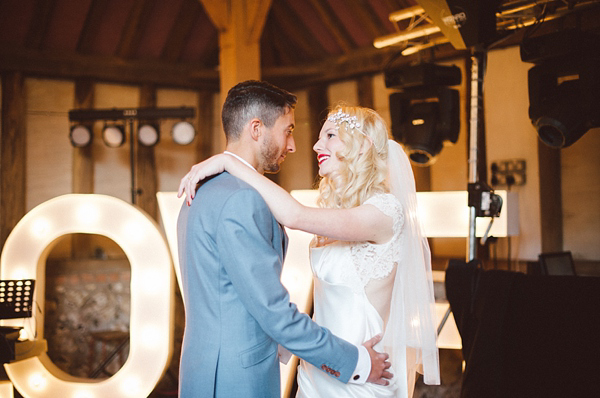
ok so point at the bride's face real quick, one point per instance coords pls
(327, 148)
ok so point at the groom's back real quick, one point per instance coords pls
(225, 351)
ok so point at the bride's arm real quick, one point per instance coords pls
(362, 223)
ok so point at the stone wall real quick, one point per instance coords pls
(84, 300)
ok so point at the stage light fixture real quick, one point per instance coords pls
(424, 113)
(564, 85)
(113, 135)
(183, 133)
(148, 134)
(424, 121)
(81, 135)
(559, 117)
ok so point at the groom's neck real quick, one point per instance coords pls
(244, 153)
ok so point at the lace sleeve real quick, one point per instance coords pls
(374, 261)
(389, 205)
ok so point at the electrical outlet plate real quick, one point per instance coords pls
(508, 172)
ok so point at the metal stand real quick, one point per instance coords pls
(476, 106)
(132, 144)
(101, 368)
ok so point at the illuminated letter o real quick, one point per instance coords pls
(151, 292)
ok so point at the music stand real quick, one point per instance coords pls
(557, 263)
(16, 298)
(16, 301)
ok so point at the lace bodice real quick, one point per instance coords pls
(374, 261)
(365, 261)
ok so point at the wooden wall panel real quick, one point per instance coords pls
(12, 154)
(83, 167)
(145, 163)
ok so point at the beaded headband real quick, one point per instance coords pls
(340, 117)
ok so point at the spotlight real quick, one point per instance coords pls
(424, 120)
(564, 85)
(183, 133)
(81, 136)
(148, 134)
(113, 135)
(563, 103)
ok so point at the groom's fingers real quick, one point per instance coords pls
(382, 382)
(374, 340)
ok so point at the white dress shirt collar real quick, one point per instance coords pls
(240, 159)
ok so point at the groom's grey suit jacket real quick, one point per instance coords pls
(231, 251)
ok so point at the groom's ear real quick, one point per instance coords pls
(255, 125)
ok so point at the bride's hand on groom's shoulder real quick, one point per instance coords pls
(379, 363)
(211, 166)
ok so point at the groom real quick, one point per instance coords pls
(231, 252)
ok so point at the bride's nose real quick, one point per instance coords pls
(318, 145)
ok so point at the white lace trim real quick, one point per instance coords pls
(372, 261)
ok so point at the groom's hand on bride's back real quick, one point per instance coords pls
(379, 363)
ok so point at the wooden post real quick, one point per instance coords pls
(146, 162)
(365, 91)
(83, 167)
(204, 125)
(550, 198)
(12, 154)
(240, 24)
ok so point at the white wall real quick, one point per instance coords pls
(173, 160)
(510, 135)
(581, 196)
(49, 154)
(296, 172)
(343, 93)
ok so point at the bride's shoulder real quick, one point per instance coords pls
(384, 199)
(389, 205)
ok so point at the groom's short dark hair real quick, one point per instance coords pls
(254, 99)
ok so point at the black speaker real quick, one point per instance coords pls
(465, 23)
(424, 120)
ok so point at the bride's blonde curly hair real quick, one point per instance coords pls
(363, 169)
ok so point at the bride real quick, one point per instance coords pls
(371, 264)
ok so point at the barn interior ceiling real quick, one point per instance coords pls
(303, 43)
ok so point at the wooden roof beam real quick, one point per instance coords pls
(38, 27)
(350, 66)
(292, 27)
(335, 27)
(112, 69)
(132, 34)
(91, 26)
(180, 32)
(366, 17)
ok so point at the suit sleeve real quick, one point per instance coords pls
(244, 239)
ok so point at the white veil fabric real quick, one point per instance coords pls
(411, 332)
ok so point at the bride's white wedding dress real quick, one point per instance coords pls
(353, 284)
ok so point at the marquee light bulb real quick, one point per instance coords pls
(40, 227)
(37, 381)
(131, 386)
(88, 214)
